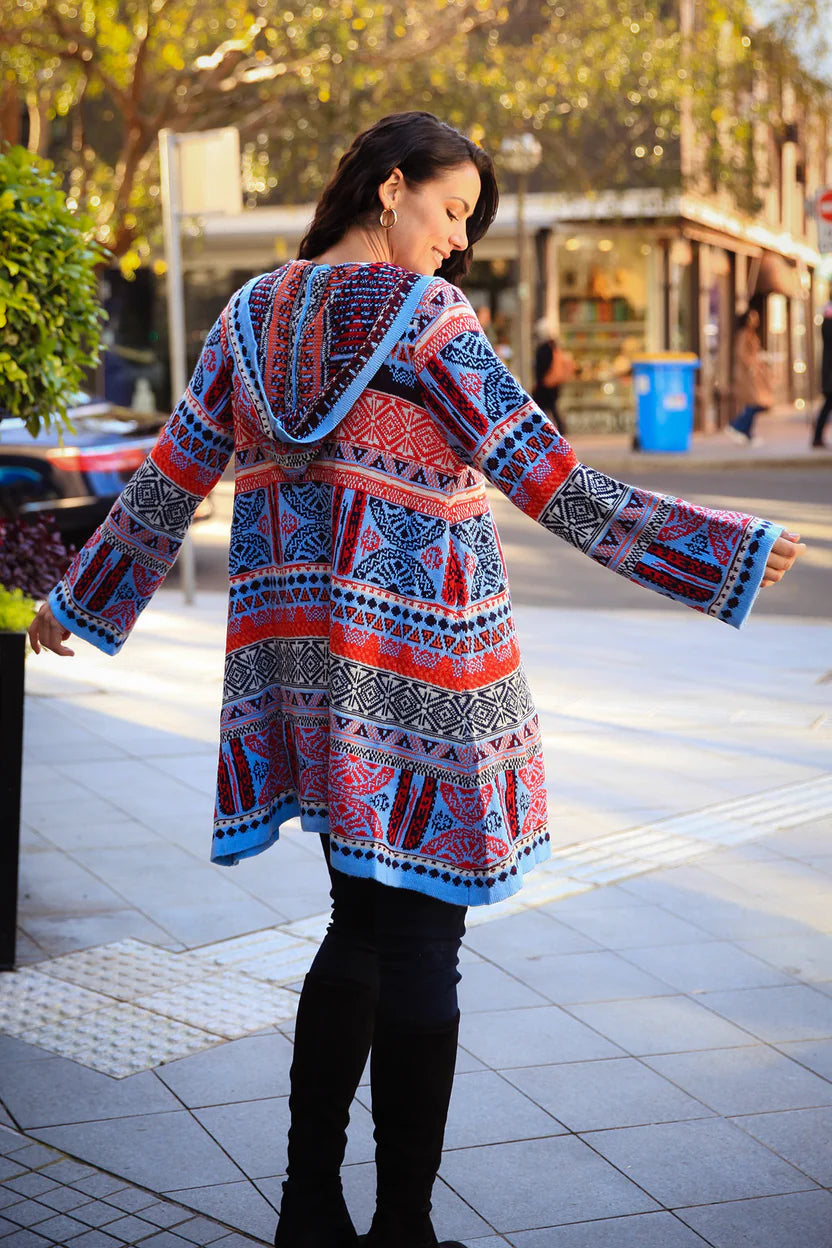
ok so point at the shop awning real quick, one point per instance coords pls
(775, 276)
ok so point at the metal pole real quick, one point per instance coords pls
(524, 308)
(171, 199)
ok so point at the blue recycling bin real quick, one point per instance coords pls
(663, 385)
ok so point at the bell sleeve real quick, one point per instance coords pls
(113, 577)
(710, 560)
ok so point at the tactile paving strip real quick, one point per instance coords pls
(121, 1039)
(128, 1006)
(668, 842)
(228, 1004)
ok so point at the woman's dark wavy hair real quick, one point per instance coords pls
(423, 147)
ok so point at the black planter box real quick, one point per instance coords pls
(12, 656)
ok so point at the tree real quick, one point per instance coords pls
(50, 318)
(603, 82)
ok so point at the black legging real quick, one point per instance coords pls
(402, 944)
(823, 416)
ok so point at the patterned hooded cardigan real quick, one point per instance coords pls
(373, 682)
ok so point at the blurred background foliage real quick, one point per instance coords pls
(602, 83)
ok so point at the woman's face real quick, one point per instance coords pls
(431, 217)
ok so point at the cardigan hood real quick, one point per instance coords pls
(323, 331)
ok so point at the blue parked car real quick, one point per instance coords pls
(75, 478)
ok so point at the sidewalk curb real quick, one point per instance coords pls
(634, 460)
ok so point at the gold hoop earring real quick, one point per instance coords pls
(384, 218)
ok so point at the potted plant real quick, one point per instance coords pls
(50, 323)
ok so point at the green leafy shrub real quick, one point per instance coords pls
(16, 610)
(50, 316)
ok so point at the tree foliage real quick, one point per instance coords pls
(603, 82)
(50, 317)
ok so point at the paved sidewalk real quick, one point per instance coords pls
(647, 1039)
(784, 436)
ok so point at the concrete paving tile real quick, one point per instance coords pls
(778, 1014)
(485, 1109)
(9, 1168)
(99, 1185)
(58, 1091)
(585, 1186)
(643, 1230)
(727, 918)
(236, 1204)
(96, 834)
(611, 897)
(69, 1171)
(6, 1119)
(26, 1239)
(94, 1239)
(526, 935)
(199, 1230)
(236, 1241)
(801, 1136)
(61, 1228)
(131, 1199)
(452, 1217)
(765, 1222)
(729, 1164)
(744, 1081)
(577, 977)
(487, 987)
(27, 1212)
(64, 1199)
(147, 1148)
(195, 924)
(254, 1134)
(635, 927)
(815, 1054)
(64, 933)
(527, 1037)
(620, 1092)
(165, 1239)
(241, 1070)
(660, 1025)
(34, 1156)
(11, 1141)
(97, 1213)
(709, 966)
(809, 956)
(30, 1183)
(165, 1215)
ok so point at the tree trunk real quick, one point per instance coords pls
(10, 109)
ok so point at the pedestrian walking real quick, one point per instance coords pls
(373, 682)
(752, 380)
(553, 366)
(825, 377)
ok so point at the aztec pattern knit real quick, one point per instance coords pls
(373, 682)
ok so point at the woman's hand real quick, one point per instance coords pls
(782, 555)
(46, 631)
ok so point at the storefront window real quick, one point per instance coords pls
(603, 308)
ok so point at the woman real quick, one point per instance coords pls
(373, 682)
(752, 384)
(825, 379)
(552, 367)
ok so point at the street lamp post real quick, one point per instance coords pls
(520, 155)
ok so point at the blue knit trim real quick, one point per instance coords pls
(749, 581)
(65, 609)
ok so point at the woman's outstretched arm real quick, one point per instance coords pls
(713, 561)
(112, 579)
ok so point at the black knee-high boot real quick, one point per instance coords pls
(412, 1074)
(333, 1035)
